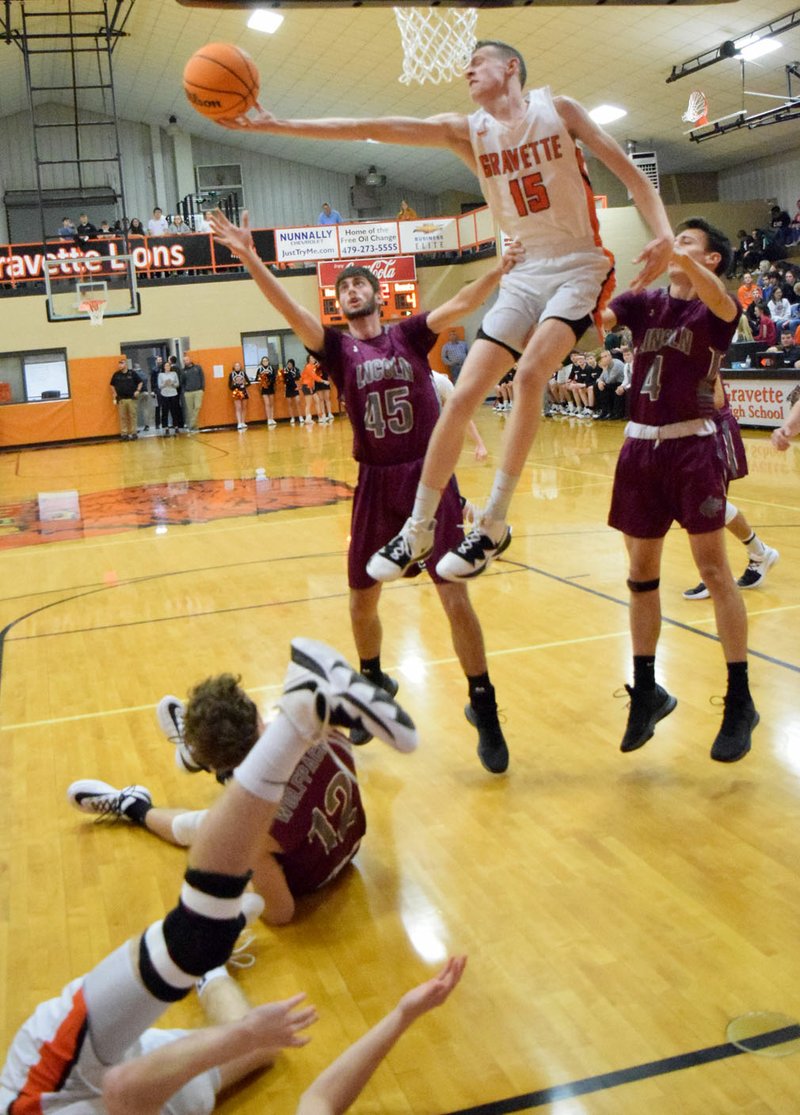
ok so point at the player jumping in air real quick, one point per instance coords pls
(382, 373)
(524, 149)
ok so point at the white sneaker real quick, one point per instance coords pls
(413, 543)
(757, 569)
(321, 690)
(291, 421)
(169, 714)
(486, 541)
(272, 422)
(90, 795)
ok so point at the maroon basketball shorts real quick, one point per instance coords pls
(382, 502)
(731, 446)
(684, 480)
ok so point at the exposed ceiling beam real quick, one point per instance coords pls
(731, 47)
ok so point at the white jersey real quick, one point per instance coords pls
(443, 386)
(534, 179)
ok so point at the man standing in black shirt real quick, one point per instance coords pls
(126, 386)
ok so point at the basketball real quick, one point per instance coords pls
(221, 80)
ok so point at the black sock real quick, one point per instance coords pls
(747, 541)
(738, 683)
(371, 668)
(644, 671)
(481, 692)
(137, 811)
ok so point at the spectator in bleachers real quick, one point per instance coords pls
(765, 331)
(780, 308)
(607, 403)
(556, 397)
(784, 355)
(67, 229)
(201, 222)
(746, 244)
(105, 230)
(747, 291)
(406, 212)
(779, 222)
(178, 227)
(789, 286)
(158, 224)
(743, 330)
(329, 216)
(136, 228)
(627, 376)
(85, 231)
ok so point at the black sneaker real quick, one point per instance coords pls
(699, 592)
(492, 746)
(733, 739)
(474, 554)
(360, 736)
(646, 709)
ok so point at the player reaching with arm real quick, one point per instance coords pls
(382, 372)
(678, 456)
(523, 148)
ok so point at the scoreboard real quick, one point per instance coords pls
(399, 288)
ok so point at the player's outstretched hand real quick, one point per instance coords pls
(256, 119)
(239, 240)
(781, 440)
(514, 254)
(275, 1026)
(655, 258)
(434, 991)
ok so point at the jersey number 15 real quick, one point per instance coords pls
(529, 194)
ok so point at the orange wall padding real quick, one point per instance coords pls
(91, 413)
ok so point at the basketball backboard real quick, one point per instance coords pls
(76, 285)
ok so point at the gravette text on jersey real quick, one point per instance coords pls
(512, 159)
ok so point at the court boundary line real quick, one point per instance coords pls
(646, 1071)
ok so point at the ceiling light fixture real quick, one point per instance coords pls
(758, 48)
(607, 114)
(264, 20)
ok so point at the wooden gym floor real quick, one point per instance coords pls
(618, 910)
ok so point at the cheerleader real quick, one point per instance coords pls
(291, 377)
(237, 385)
(266, 377)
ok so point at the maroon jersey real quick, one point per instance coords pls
(321, 820)
(679, 347)
(387, 389)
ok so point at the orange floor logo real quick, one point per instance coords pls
(176, 503)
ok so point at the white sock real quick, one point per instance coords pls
(269, 764)
(755, 547)
(426, 502)
(499, 500)
(185, 826)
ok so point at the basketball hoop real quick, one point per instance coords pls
(95, 308)
(697, 109)
(437, 42)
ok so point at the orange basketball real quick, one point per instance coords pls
(221, 80)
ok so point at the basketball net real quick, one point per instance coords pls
(437, 42)
(697, 109)
(95, 308)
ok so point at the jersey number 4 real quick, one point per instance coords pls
(389, 410)
(529, 194)
(652, 381)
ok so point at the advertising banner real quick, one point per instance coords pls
(432, 235)
(761, 402)
(368, 238)
(388, 269)
(294, 244)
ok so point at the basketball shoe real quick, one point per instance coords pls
(486, 541)
(359, 736)
(90, 795)
(169, 714)
(322, 690)
(647, 707)
(757, 569)
(492, 746)
(413, 543)
(734, 736)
